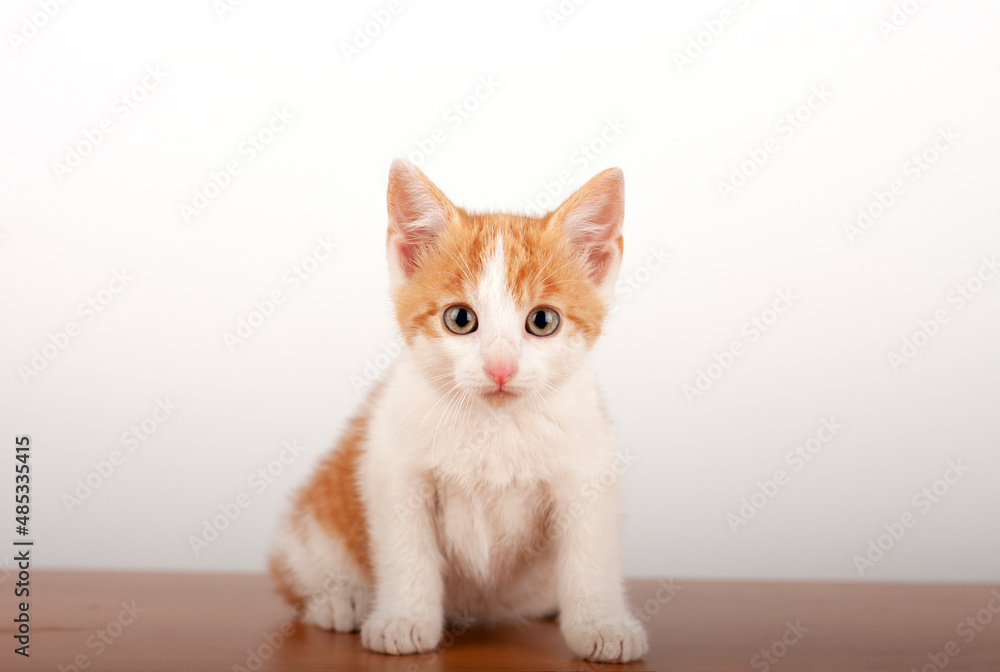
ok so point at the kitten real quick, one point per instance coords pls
(462, 489)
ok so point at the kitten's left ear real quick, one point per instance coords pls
(418, 213)
(591, 219)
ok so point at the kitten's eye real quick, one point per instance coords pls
(542, 322)
(460, 319)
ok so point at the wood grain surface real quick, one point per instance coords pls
(139, 622)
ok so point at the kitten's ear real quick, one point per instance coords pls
(591, 219)
(418, 213)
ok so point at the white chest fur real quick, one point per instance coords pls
(490, 476)
(489, 533)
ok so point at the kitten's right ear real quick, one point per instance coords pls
(591, 219)
(418, 213)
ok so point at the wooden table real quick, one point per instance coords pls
(140, 622)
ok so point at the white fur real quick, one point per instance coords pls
(336, 592)
(455, 489)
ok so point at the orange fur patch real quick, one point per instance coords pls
(332, 496)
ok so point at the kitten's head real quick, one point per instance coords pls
(495, 305)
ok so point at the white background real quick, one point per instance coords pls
(685, 128)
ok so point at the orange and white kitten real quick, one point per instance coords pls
(463, 490)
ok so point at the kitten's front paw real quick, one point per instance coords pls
(342, 610)
(619, 640)
(400, 635)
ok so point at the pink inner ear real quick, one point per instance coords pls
(408, 240)
(592, 221)
(405, 253)
(599, 259)
(418, 212)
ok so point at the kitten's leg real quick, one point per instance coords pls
(321, 561)
(408, 613)
(594, 615)
(315, 574)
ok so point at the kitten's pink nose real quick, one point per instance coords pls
(501, 373)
